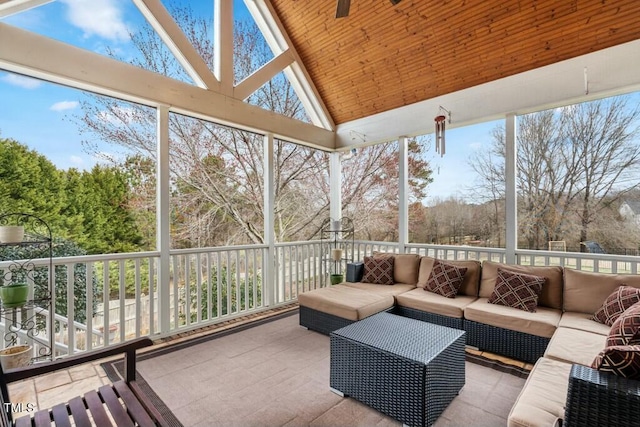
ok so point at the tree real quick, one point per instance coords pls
(98, 205)
(573, 164)
(608, 156)
(30, 183)
(217, 171)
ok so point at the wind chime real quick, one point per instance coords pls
(441, 120)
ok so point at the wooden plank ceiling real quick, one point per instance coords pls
(382, 56)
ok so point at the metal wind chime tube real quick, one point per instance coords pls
(440, 128)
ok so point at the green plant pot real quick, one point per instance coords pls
(336, 279)
(14, 295)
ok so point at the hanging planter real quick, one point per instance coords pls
(14, 295)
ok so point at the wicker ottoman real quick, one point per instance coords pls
(408, 369)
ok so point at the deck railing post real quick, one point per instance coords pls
(511, 208)
(163, 221)
(269, 257)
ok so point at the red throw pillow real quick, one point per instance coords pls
(622, 360)
(378, 270)
(626, 329)
(445, 279)
(616, 303)
(517, 290)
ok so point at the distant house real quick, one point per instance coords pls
(630, 210)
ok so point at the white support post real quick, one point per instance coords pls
(511, 208)
(163, 220)
(403, 193)
(335, 186)
(268, 269)
(223, 45)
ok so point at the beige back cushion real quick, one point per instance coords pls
(551, 295)
(405, 267)
(471, 280)
(585, 292)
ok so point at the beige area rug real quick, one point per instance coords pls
(272, 372)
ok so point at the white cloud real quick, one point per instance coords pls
(76, 160)
(22, 81)
(100, 18)
(64, 105)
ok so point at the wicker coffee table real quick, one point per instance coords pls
(408, 369)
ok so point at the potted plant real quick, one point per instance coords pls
(11, 233)
(14, 294)
(336, 279)
(15, 356)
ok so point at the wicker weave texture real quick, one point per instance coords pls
(601, 399)
(321, 322)
(438, 319)
(517, 345)
(407, 369)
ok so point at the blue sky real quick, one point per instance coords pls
(41, 115)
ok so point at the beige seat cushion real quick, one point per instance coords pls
(343, 301)
(582, 321)
(419, 299)
(471, 280)
(542, 399)
(585, 292)
(392, 290)
(551, 295)
(542, 323)
(575, 346)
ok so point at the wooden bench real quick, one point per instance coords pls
(122, 403)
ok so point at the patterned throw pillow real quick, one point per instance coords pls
(445, 279)
(622, 360)
(626, 329)
(378, 270)
(616, 303)
(517, 290)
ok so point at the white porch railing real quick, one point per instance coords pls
(114, 297)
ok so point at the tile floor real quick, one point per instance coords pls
(275, 374)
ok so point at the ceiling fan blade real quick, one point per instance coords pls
(343, 8)
(395, 2)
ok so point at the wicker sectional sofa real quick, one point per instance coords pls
(559, 337)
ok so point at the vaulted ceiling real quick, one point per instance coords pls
(382, 57)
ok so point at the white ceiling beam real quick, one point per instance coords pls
(610, 72)
(40, 57)
(11, 7)
(261, 76)
(278, 40)
(223, 44)
(171, 34)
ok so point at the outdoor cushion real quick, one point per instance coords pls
(471, 280)
(584, 292)
(622, 360)
(430, 302)
(378, 270)
(542, 323)
(542, 399)
(616, 303)
(583, 322)
(626, 329)
(551, 295)
(392, 290)
(445, 279)
(575, 346)
(405, 269)
(343, 301)
(517, 290)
